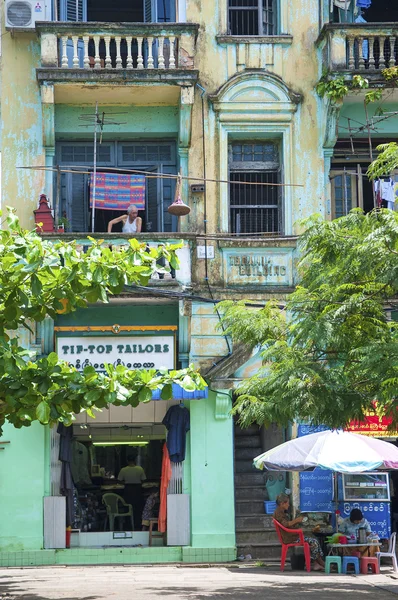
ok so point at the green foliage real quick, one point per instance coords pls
(334, 350)
(385, 163)
(390, 74)
(334, 89)
(337, 88)
(40, 278)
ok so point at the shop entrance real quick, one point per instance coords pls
(114, 474)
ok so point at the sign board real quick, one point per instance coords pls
(316, 491)
(134, 352)
(258, 266)
(373, 426)
(377, 513)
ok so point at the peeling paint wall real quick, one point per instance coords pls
(22, 140)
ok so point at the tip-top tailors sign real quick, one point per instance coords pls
(134, 352)
(258, 266)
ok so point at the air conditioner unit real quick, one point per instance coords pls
(23, 14)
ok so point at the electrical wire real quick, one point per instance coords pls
(77, 169)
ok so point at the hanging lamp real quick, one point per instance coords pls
(178, 208)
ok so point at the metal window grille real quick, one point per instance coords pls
(254, 208)
(251, 17)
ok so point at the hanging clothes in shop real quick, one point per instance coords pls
(385, 193)
(65, 456)
(164, 482)
(80, 464)
(177, 423)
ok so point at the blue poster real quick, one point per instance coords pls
(377, 513)
(316, 491)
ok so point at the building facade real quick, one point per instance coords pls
(225, 95)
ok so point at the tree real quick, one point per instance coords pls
(38, 278)
(332, 349)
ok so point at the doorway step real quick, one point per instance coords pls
(255, 534)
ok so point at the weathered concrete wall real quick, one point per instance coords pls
(21, 125)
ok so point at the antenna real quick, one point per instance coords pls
(98, 121)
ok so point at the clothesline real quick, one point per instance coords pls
(152, 175)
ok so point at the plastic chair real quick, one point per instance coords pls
(372, 562)
(332, 560)
(351, 560)
(285, 547)
(114, 508)
(390, 552)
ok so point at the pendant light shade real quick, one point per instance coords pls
(178, 208)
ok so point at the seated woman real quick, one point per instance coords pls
(351, 525)
(281, 516)
(132, 223)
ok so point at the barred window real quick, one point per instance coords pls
(255, 204)
(252, 17)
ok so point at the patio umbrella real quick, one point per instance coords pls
(337, 450)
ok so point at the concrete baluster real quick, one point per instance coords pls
(392, 51)
(371, 52)
(140, 60)
(118, 55)
(161, 64)
(150, 57)
(382, 62)
(97, 59)
(64, 43)
(108, 60)
(75, 61)
(172, 62)
(361, 61)
(86, 59)
(129, 63)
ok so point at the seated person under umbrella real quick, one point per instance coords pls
(350, 527)
(281, 515)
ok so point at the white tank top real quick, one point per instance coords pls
(130, 227)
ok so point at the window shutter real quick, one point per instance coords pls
(73, 10)
(152, 210)
(149, 11)
(74, 200)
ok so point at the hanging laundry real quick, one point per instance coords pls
(385, 192)
(342, 4)
(114, 191)
(177, 423)
(363, 4)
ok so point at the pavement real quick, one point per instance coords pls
(228, 582)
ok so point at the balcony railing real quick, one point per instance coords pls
(117, 46)
(360, 47)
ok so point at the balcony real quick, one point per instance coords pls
(180, 277)
(360, 49)
(112, 53)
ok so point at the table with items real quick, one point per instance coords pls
(363, 549)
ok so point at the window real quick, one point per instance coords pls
(158, 157)
(251, 17)
(254, 207)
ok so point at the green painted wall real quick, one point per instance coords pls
(212, 477)
(136, 121)
(24, 480)
(122, 314)
(355, 111)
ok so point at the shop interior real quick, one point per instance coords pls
(103, 501)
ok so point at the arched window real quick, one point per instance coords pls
(252, 17)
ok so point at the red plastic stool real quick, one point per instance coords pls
(373, 563)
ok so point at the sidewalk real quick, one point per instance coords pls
(228, 582)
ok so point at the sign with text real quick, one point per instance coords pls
(377, 513)
(258, 266)
(134, 352)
